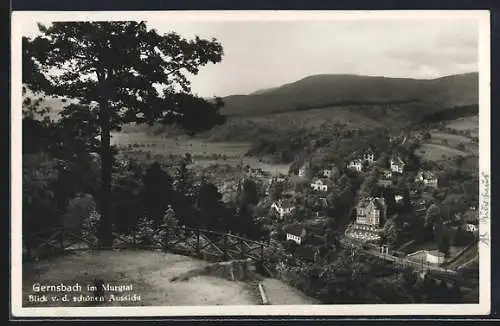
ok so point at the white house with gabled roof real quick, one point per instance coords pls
(296, 233)
(427, 178)
(319, 185)
(356, 165)
(283, 208)
(397, 164)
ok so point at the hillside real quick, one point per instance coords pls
(327, 91)
(396, 99)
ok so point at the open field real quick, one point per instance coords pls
(450, 138)
(466, 123)
(204, 153)
(435, 152)
(453, 141)
(178, 145)
(148, 272)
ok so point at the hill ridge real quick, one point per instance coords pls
(327, 90)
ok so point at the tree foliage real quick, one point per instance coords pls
(249, 194)
(157, 192)
(120, 72)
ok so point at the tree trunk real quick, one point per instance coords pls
(105, 234)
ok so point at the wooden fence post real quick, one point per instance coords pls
(242, 248)
(61, 239)
(262, 254)
(197, 241)
(225, 239)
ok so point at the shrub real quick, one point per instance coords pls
(89, 228)
(146, 233)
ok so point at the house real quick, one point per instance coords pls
(283, 208)
(368, 156)
(434, 257)
(471, 227)
(303, 170)
(370, 210)
(386, 178)
(427, 178)
(356, 165)
(330, 171)
(296, 233)
(319, 185)
(387, 174)
(398, 198)
(397, 164)
(275, 179)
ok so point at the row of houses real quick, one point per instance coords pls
(365, 157)
(327, 172)
(396, 164)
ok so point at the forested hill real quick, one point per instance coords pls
(327, 91)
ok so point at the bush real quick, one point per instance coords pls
(89, 228)
(146, 234)
(78, 210)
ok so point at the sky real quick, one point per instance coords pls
(263, 54)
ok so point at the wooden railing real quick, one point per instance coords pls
(204, 244)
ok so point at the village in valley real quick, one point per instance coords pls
(393, 213)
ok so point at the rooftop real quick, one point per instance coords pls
(396, 160)
(427, 175)
(379, 202)
(295, 229)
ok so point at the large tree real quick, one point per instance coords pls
(122, 72)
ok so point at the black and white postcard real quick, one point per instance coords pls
(250, 163)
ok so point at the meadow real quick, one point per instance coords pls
(451, 140)
(204, 153)
(466, 124)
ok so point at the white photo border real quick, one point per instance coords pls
(483, 308)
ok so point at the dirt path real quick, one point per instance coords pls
(280, 293)
(147, 274)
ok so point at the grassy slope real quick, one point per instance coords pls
(443, 145)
